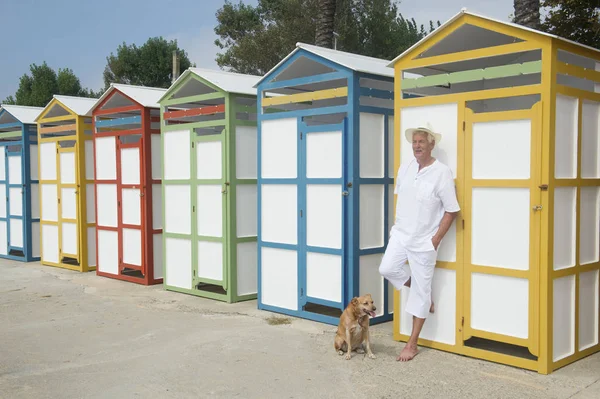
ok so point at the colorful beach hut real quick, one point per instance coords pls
(20, 210)
(208, 130)
(517, 277)
(66, 178)
(126, 125)
(325, 178)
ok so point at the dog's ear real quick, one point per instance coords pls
(354, 301)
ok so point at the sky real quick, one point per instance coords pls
(80, 34)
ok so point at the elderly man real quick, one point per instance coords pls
(425, 209)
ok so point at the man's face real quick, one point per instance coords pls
(421, 147)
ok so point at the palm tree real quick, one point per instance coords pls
(527, 13)
(325, 23)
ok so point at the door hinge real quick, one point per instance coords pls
(301, 291)
(543, 187)
(300, 212)
(463, 224)
(118, 203)
(300, 135)
(58, 200)
(192, 144)
(464, 125)
(193, 208)
(462, 322)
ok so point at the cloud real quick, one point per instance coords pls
(200, 47)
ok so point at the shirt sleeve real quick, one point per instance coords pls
(399, 176)
(447, 193)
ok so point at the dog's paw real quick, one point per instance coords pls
(372, 356)
(348, 356)
(340, 353)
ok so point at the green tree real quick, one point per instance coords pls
(254, 39)
(527, 13)
(38, 88)
(149, 65)
(577, 20)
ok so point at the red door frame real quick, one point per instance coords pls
(145, 186)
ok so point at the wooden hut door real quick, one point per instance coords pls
(322, 203)
(68, 208)
(129, 200)
(502, 227)
(15, 196)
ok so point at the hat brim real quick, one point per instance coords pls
(409, 134)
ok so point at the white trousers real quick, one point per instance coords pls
(422, 266)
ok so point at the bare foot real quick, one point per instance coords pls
(408, 353)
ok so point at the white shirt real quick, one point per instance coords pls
(423, 198)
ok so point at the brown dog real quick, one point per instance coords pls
(353, 329)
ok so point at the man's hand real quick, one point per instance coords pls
(436, 242)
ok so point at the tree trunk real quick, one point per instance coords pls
(527, 13)
(325, 23)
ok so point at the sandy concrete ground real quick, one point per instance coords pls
(70, 335)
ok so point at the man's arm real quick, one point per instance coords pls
(443, 229)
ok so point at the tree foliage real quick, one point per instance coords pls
(254, 39)
(527, 13)
(149, 65)
(38, 88)
(577, 20)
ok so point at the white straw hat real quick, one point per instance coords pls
(429, 129)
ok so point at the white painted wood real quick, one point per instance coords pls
(246, 210)
(209, 210)
(370, 281)
(324, 276)
(178, 209)
(502, 149)
(178, 257)
(69, 238)
(279, 148)
(132, 247)
(177, 162)
(441, 325)
(90, 198)
(279, 213)
(106, 158)
(588, 309)
(158, 255)
(279, 278)
(33, 162)
(3, 238)
(157, 206)
(130, 166)
(444, 119)
(372, 146)
(16, 233)
(565, 147)
(494, 311)
(108, 252)
(324, 155)
(247, 268)
(510, 218)
(49, 202)
(391, 144)
(67, 167)
(3, 165)
(3, 202)
(371, 216)
(35, 239)
(35, 200)
(590, 139)
(324, 215)
(563, 317)
(155, 155)
(91, 242)
(210, 260)
(14, 169)
(89, 160)
(564, 227)
(131, 206)
(15, 198)
(47, 162)
(209, 160)
(50, 243)
(107, 205)
(68, 202)
(246, 147)
(589, 225)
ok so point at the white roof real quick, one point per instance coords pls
(146, 96)
(355, 62)
(464, 11)
(227, 81)
(81, 106)
(23, 113)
